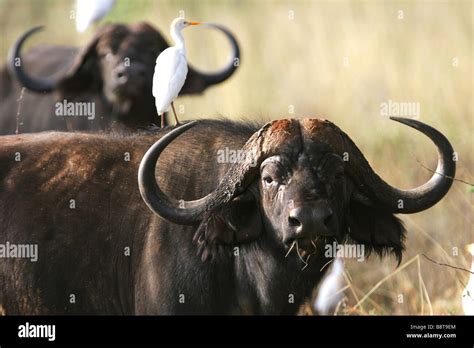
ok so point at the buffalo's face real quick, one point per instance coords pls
(118, 65)
(126, 59)
(304, 198)
(306, 184)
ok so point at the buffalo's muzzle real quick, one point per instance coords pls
(307, 221)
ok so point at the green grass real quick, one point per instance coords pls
(299, 62)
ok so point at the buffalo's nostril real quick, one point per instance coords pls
(121, 74)
(122, 77)
(299, 222)
(294, 222)
(323, 214)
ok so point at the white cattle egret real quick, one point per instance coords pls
(170, 70)
(330, 292)
(468, 293)
(89, 11)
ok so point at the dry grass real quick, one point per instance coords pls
(299, 62)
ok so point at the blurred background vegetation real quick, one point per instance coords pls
(339, 61)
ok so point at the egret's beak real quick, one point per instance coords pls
(193, 23)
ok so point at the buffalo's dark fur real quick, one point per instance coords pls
(81, 250)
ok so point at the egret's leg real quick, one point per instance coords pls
(174, 112)
(162, 116)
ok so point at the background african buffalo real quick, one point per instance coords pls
(338, 61)
(114, 71)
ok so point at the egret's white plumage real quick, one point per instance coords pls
(170, 70)
(170, 74)
(89, 11)
(330, 290)
(468, 293)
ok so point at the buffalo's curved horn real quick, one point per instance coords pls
(157, 201)
(413, 200)
(237, 178)
(35, 84)
(223, 74)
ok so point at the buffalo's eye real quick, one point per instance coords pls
(268, 180)
(272, 172)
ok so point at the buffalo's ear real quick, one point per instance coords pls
(84, 70)
(377, 228)
(236, 223)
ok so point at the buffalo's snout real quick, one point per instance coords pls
(129, 74)
(121, 74)
(308, 220)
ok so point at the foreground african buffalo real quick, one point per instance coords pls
(113, 73)
(297, 182)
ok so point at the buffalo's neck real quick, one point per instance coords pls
(143, 111)
(255, 279)
(269, 283)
